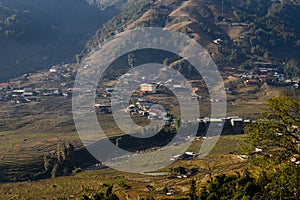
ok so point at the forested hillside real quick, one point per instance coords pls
(35, 35)
(250, 30)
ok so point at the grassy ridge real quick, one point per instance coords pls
(251, 30)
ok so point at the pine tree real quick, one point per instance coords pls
(193, 193)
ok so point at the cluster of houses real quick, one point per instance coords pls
(58, 79)
(148, 109)
(263, 72)
(259, 151)
(5, 86)
(141, 106)
(23, 95)
(257, 72)
(231, 125)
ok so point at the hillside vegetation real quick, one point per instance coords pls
(250, 30)
(35, 35)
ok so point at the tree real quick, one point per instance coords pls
(165, 190)
(107, 195)
(277, 133)
(230, 187)
(60, 163)
(178, 171)
(292, 69)
(131, 60)
(147, 198)
(275, 169)
(192, 193)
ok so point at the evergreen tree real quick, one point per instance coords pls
(193, 193)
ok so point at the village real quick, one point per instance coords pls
(59, 81)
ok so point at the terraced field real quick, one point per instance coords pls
(29, 131)
(223, 159)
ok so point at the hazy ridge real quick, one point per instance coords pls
(37, 34)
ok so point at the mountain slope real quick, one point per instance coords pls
(251, 30)
(37, 34)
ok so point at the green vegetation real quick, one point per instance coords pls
(250, 29)
(107, 195)
(272, 143)
(35, 36)
(8, 20)
(61, 163)
(116, 24)
(192, 193)
(230, 187)
(292, 69)
(135, 185)
(278, 134)
(274, 172)
(280, 182)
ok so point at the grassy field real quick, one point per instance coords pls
(221, 159)
(29, 131)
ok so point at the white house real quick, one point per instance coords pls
(148, 88)
(218, 41)
(53, 70)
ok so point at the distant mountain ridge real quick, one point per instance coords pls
(35, 35)
(106, 3)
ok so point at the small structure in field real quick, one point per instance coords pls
(4, 86)
(148, 88)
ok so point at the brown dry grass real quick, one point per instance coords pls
(181, 10)
(72, 187)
